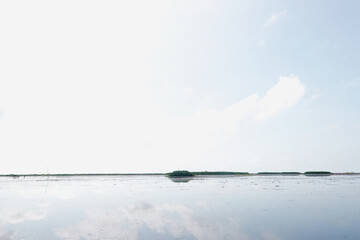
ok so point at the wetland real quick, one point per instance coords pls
(262, 207)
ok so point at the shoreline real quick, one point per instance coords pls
(196, 174)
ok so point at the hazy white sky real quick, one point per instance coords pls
(154, 86)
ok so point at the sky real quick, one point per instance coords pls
(155, 86)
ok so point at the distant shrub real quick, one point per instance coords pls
(12, 175)
(220, 173)
(279, 173)
(268, 173)
(317, 173)
(180, 173)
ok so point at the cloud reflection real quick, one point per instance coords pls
(15, 216)
(6, 234)
(166, 221)
(267, 235)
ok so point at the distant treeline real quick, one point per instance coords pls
(185, 173)
(220, 173)
(318, 173)
(182, 173)
(279, 173)
(79, 174)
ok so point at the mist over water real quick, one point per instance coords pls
(155, 207)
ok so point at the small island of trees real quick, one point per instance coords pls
(180, 173)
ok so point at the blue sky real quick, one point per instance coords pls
(138, 86)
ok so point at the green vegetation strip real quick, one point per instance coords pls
(180, 173)
(317, 173)
(279, 173)
(183, 173)
(80, 174)
(220, 173)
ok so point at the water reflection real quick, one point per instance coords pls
(259, 208)
(6, 234)
(15, 216)
(181, 179)
(165, 221)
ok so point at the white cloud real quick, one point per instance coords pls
(188, 91)
(190, 141)
(273, 19)
(108, 127)
(285, 94)
(262, 42)
(353, 84)
(312, 98)
(207, 99)
(330, 126)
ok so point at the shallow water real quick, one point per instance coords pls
(154, 207)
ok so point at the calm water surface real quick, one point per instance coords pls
(154, 207)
